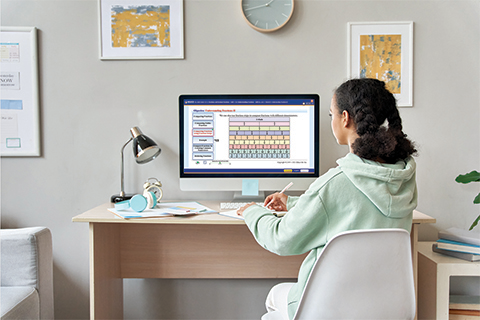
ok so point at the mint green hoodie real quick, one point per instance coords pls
(358, 194)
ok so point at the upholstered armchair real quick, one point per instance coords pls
(26, 273)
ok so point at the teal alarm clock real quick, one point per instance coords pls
(267, 15)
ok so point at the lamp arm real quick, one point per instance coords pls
(122, 191)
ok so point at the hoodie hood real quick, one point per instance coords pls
(391, 187)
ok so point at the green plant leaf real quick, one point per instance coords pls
(474, 224)
(477, 199)
(468, 177)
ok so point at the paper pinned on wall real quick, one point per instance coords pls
(250, 187)
(9, 126)
(9, 52)
(10, 80)
(14, 142)
(11, 104)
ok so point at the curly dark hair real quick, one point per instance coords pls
(371, 105)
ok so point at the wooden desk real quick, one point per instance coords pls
(208, 246)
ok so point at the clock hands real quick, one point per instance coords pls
(261, 6)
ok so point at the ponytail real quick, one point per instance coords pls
(377, 120)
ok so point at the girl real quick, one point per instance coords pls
(373, 186)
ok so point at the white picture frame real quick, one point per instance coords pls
(158, 35)
(365, 59)
(20, 123)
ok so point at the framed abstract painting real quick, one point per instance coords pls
(139, 29)
(384, 51)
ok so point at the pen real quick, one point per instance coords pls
(196, 211)
(284, 189)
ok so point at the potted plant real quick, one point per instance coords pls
(467, 178)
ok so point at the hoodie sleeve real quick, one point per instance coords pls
(291, 202)
(300, 230)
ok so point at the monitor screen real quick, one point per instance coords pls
(232, 137)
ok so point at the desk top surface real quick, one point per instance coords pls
(101, 214)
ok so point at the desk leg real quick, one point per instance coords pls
(106, 284)
(414, 245)
(427, 290)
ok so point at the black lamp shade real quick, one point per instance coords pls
(145, 149)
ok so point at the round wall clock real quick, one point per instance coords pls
(267, 15)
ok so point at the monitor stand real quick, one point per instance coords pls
(238, 197)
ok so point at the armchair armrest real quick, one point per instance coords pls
(27, 260)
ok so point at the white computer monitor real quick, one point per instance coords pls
(226, 139)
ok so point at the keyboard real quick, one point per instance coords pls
(235, 205)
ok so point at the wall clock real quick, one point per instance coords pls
(267, 15)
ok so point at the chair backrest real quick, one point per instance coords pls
(361, 274)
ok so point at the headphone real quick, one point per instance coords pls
(138, 202)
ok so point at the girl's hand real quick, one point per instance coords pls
(276, 201)
(240, 210)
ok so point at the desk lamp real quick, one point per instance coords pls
(144, 150)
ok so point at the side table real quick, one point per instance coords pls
(434, 272)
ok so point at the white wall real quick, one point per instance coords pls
(84, 99)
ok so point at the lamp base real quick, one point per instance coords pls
(118, 198)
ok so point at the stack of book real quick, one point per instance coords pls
(459, 243)
(463, 307)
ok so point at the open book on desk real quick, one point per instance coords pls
(165, 209)
(233, 214)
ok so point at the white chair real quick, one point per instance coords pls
(361, 274)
